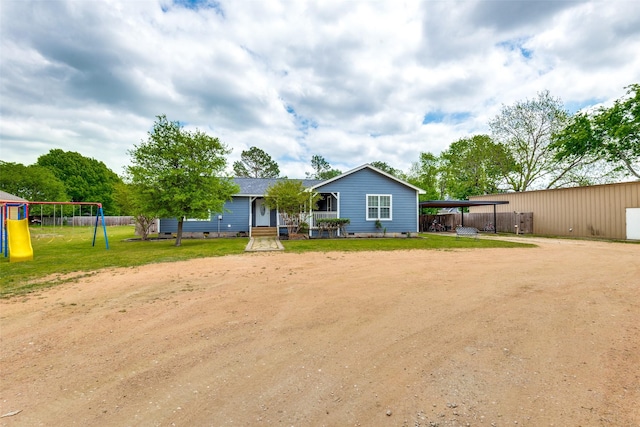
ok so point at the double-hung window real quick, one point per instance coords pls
(378, 207)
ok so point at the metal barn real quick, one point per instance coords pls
(609, 211)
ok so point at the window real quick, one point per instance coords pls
(378, 207)
(198, 219)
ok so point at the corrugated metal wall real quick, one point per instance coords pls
(594, 211)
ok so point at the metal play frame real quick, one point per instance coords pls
(23, 212)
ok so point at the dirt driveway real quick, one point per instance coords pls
(489, 337)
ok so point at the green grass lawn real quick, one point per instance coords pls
(427, 241)
(62, 250)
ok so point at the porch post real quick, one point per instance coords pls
(251, 200)
(310, 215)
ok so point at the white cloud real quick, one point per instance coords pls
(352, 81)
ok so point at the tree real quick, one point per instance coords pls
(179, 174)
(424, 174)
(85, 179)
(256, 163)
(135, 202)
(609, 134)
(34, 183)
(322, 169)
(384, 166)
(526, 130)
(474, 166)
(292, 200)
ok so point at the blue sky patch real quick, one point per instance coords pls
(199, 5)
(441, 117)
(575, 106)
(517, 45)
(302, 123)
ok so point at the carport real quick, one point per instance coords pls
(464, 204)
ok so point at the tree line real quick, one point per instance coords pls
(533, 144)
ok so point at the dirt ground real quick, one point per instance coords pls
(545, 336)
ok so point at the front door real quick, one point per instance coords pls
(263, 214)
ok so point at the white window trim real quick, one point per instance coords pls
(198, 219)
(390, 196)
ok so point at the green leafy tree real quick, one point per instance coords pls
(179, 174)
(293, 201)
(255, 163)
(610, 134)
(385, 167)
(322, 169)
(525, 130)
(85, 179)
(34, 183)
(474, 166)
(424, 174)
(137, 203)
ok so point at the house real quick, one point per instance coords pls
(367, 196)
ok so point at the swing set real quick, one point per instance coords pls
(15, 238)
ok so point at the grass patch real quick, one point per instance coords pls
(64, 254)
(427, 241)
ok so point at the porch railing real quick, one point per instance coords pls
(315, 216)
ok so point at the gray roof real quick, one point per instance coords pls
(7, 197)
(258, 186)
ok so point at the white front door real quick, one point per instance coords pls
(263, 214)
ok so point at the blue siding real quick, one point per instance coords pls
(235, 218)
(353, 191)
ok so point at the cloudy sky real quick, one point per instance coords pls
(354, 81)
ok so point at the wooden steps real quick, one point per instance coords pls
(264, 232)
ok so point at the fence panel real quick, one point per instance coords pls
(82, 221)
(108, 220)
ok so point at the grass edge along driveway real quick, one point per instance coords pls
(64, 254)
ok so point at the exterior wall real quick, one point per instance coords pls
(353, 191)
(235, 218)
(593, 211)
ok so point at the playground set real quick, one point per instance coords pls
(15, 237)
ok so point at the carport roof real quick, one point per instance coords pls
(460, 203)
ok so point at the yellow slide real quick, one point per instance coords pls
(20, 248)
